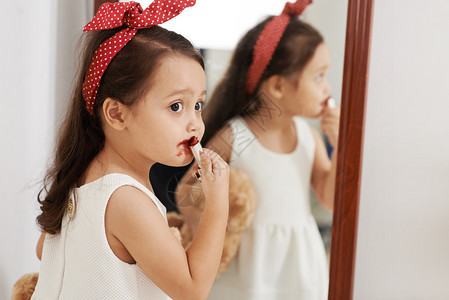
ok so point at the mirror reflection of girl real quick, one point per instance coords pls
(106, 234)
(257, 126)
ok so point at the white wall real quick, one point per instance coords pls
(403, 240)
(26, 95)
(35, 71)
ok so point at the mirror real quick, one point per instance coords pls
(330, 19)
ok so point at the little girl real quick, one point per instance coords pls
(137, 100)
(277, 75)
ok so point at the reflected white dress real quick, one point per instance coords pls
(281, 255)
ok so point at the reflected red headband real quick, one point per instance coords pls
(112, 15)
(268, 41)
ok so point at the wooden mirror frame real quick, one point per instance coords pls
(350, 147)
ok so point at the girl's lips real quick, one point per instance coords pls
(186, 144)
(193, 141)
(324, 103)
(190, 142)
(329, 102)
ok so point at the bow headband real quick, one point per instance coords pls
(268, 41)
(112, 15)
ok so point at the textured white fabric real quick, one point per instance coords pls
(79, 264)
(281, 255)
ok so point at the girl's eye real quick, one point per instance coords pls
(319, 78)
(176, 107)
(199, 106)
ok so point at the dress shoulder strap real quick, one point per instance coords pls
(110, 183)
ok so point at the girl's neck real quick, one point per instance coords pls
(276, 133)
(268, 122)
(109, 161)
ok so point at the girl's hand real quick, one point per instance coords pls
(330, 123)
(214, 176)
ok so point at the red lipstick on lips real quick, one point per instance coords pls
(190, 142)
(193, 141)
(329, 102)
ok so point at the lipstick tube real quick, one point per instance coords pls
(331, 103)
(197, 149)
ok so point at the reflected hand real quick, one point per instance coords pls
(330, 123)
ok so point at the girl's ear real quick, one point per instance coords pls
(113, 113)
(275, 86)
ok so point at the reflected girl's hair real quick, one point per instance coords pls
(229, 99)
(127, 79)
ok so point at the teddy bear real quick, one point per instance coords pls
(24, 287)
(242, 207)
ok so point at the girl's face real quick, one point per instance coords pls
(170, 114)
(308, 96)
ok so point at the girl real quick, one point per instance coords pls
(106, 233)
(253, 120)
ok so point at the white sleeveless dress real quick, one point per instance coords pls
(78, 263)
(281, 255)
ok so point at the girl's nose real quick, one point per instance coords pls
(191, 127)
(194, 123)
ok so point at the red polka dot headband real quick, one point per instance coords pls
(131, 14)
(268, 41)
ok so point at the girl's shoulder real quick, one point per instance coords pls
(127, 195)
(111, 180)
(129, 188)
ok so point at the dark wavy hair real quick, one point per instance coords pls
(229, 99)
(81, 137)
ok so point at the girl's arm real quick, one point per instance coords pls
(323, 173)
(133, 220)
(221, 143)
(324, 169)
(40, 245)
